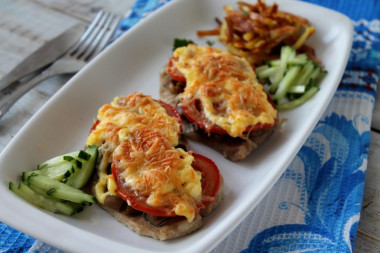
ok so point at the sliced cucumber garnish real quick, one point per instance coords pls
(299, 101)
(50, 204)
(55, 185)
(60, 172)
(58, 190)
(292, 79)
(82, 175)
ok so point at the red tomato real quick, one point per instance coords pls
(174, 72)
(136, 201)
(211, 180)
(173, 112)
(193, 111)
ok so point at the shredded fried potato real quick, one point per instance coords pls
(257, 31)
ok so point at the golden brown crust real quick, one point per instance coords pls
(136, 221)
(140, 223)
(232, 148)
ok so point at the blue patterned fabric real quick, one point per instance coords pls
(12, 240)
(140, 10)
(324, 184)
(315, 206)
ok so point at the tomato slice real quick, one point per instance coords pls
(136, 201)
(174, 72)
(173, 112)
(211, 180)
(193, 111)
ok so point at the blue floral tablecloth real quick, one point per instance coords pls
(315, 206)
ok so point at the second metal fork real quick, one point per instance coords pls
(93, 40)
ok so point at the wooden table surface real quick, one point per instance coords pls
(25, 25)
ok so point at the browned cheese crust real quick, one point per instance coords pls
(160, 228)
(232, 148)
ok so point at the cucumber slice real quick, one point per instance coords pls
(261, 68)
(264, 73)
(320, 76)
(299, 101)
(288, 79)
(52, 205)
(59, 172)
(58, 189)
(305, 74)
(287, 52)
(300, 59)
(57, 160)
(286, 83)
(297, 89)
(317, 70)
(46, 188)
(81, 176)
(74, 168)
(84, 155)
(274, 63)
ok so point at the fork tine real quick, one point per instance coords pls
(92, 34)
(86, 34)
(108, 33)
(99, 42)
(93, 40)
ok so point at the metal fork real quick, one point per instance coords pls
(93, 40)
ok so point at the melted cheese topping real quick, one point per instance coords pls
(139, 136)
(106, 184)
(226, 85)
(126, 113)
(159, 172)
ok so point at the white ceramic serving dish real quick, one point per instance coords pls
(132, 63)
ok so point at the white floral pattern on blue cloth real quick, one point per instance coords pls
(315, 206)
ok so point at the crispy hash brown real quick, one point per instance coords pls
(257, 31)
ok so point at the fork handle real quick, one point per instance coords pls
(10, 95)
